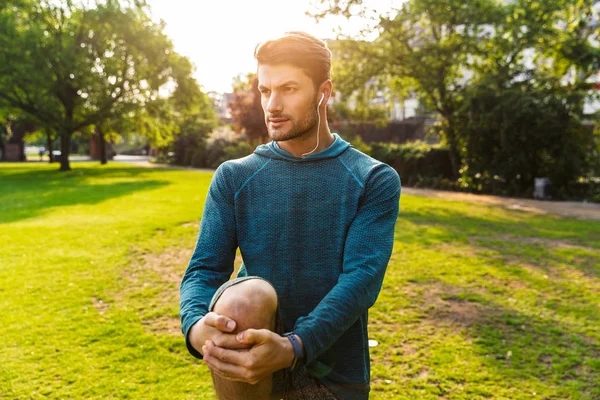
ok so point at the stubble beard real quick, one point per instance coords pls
(297, 130)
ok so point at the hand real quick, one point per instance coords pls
(269, 353)
(217, 328)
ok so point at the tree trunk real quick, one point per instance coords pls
(101, 145)
(453, 153)
(49, 144)
(453, 147)
(454, 162)
(65, 144)
(65, 140)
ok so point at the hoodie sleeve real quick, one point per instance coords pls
(212, 262)
(367, 250)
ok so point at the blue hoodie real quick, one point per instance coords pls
(321, 230)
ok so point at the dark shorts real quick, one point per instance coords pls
(298, 384)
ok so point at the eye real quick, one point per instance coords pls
(264, 91)
(289, 89)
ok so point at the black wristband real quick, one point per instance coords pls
(296, 346)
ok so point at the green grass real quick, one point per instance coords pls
(479, 302)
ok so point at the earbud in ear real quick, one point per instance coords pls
(322, 97)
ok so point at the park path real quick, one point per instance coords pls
(574, 209)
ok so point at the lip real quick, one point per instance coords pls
(278, 121)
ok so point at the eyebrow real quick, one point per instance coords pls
(286, 83)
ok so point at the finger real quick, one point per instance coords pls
(224, 369)
(220, 322)
(235, 357)
(229, 341)
(215, 371)
(254, 336)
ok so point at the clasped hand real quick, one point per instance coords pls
(250, 356)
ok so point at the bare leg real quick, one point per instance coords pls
(252, 304)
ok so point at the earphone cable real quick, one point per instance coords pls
(318, 129)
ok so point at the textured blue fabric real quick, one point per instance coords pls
(320, 229)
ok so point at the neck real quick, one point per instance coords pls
(307, 142)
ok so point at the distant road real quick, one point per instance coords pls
(131, 159)
(575, 209)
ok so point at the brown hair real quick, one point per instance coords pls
(300, 50)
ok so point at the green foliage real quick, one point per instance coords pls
(223, 143)
(426, 46)
(360, 112)
(3, 135)
(4, 129)
(220, 145)
(357, 142)
(355, 86)
(131, 145)
(243, 82)
(233, 151)
(508, 79)
(524, 132)
(418, 163)
(69, 65)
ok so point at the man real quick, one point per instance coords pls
(314, 220)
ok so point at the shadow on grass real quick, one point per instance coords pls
(525, 294)
(517, 255)
(544, 241)
(456, 224)
(28, 192)
(517, 345)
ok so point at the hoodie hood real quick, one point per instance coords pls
(272, 150)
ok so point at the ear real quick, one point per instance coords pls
(326, 89)
(321, 99)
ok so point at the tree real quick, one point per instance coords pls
(4, 136)
(71, 66)
(426, 45)
(246, 109)
(185, 111)
(46, 136)
(357, 83)
(473, 62)
(524, 117)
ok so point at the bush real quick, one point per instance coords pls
(359, 144)
(587, 189)
(234, 151)
(222, 144)
(417, 163)
(510, 137)
(198, 157)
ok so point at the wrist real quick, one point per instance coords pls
(289, 355)
(301, 346)
(297, 348)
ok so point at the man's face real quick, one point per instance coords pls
(288, 98)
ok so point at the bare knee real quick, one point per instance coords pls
(251, 303)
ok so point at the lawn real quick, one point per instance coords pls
(479, 302)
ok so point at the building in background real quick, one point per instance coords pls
(221, 102)
(13, 146)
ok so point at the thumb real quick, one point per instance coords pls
(254, 336)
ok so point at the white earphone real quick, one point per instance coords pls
(318, 125)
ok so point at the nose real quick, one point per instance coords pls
(274, 104)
